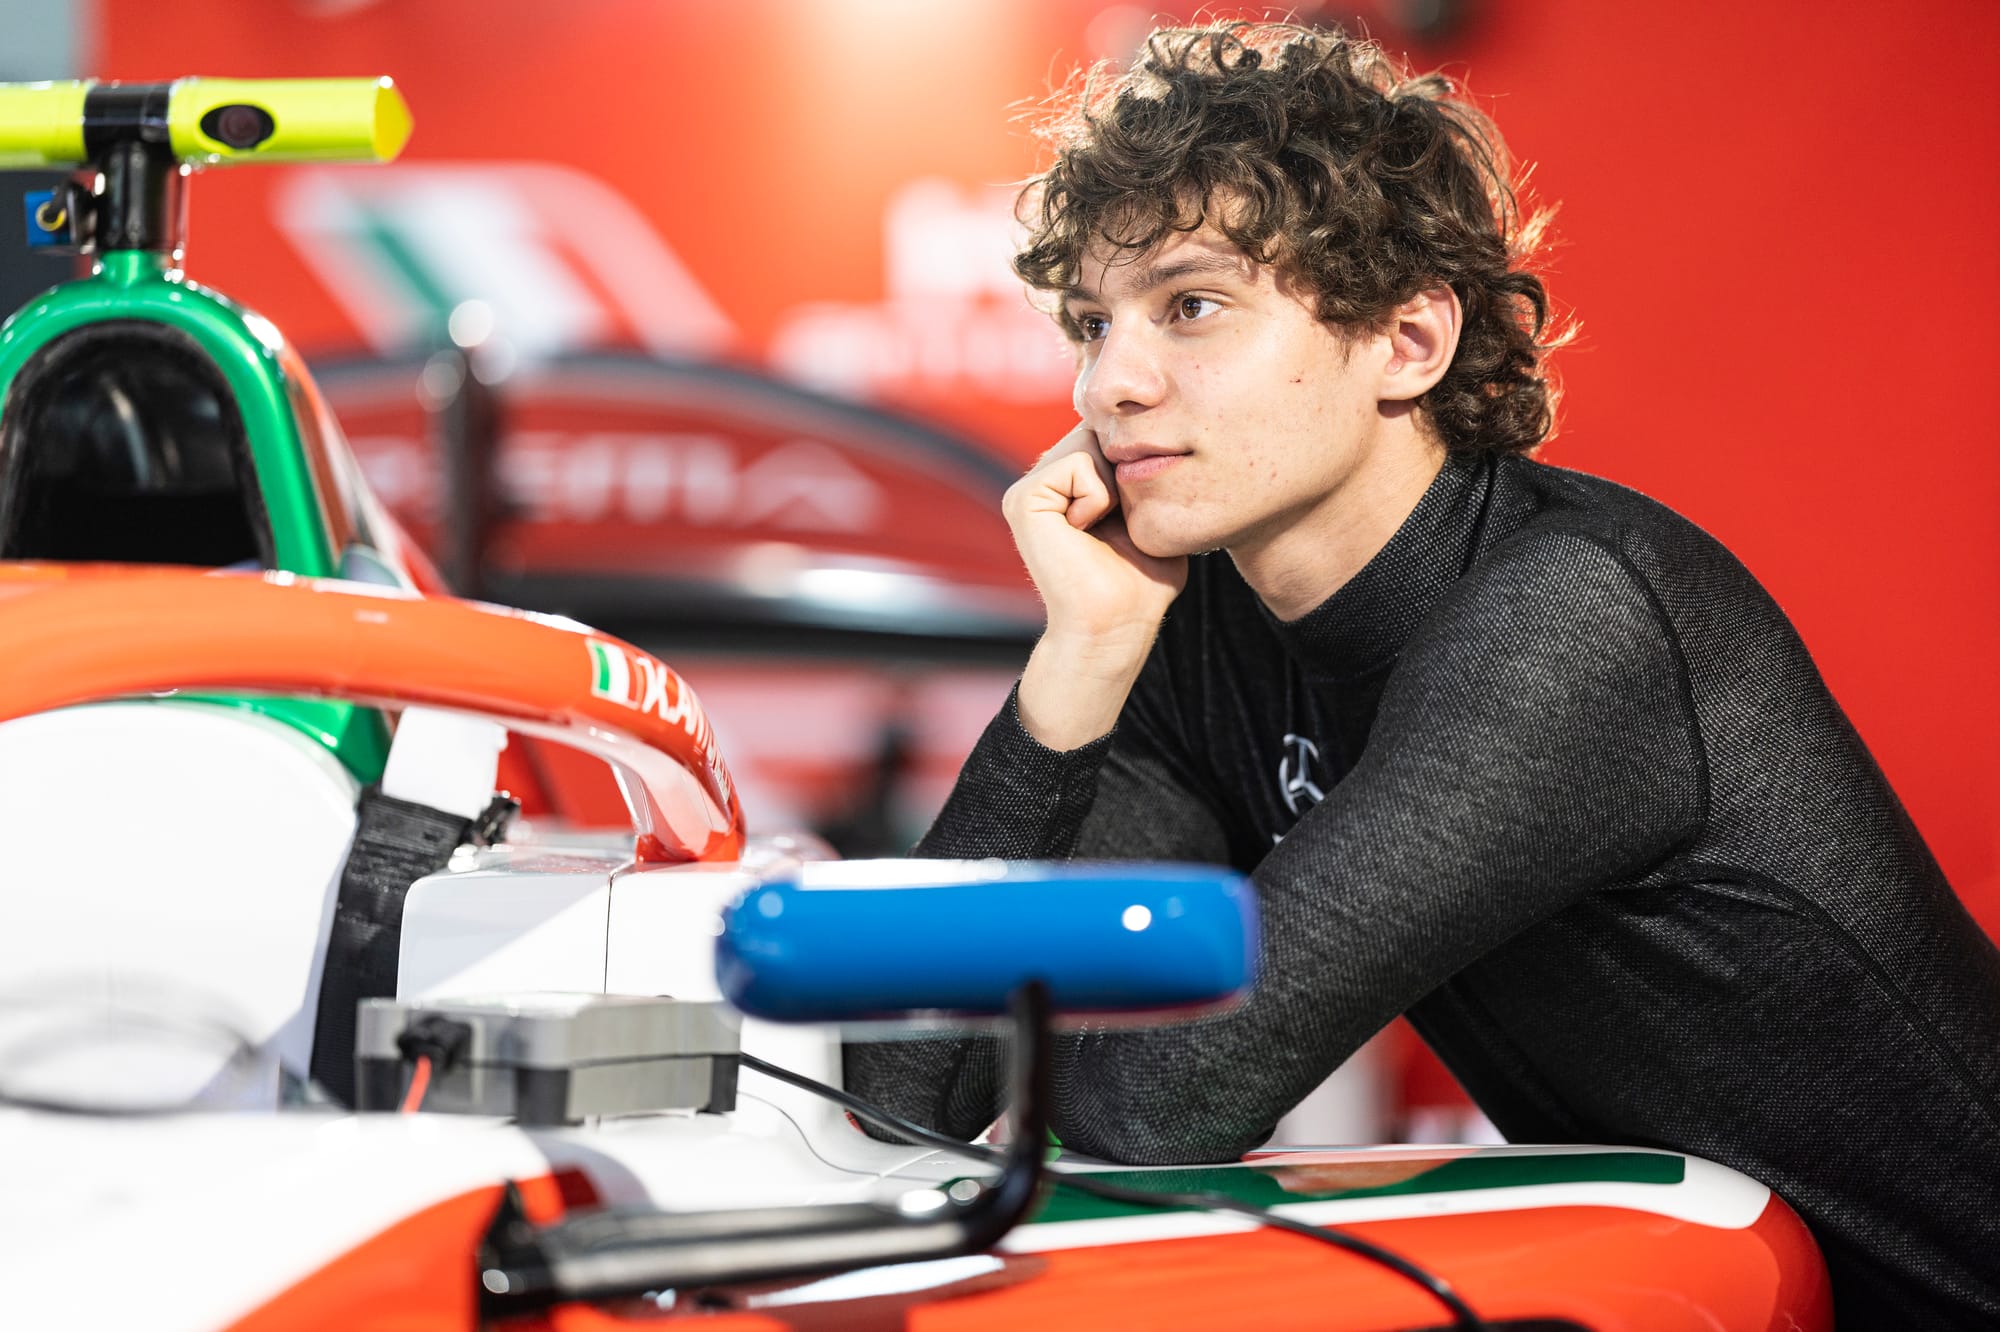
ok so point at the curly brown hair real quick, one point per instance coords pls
(1312, 150)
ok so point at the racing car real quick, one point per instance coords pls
(300, 1029)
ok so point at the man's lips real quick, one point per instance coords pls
(1137, 462)
(1151, 465)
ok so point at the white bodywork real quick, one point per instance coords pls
(205, 871)
(135, 896)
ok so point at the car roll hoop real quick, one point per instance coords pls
(82, 634)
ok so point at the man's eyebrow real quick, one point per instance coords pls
(1196, 264)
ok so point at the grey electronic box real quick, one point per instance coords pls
(548, 1059)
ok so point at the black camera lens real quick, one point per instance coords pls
(238, 125)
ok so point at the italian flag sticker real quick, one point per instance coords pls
(611, 674)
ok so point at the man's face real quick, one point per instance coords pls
(1229, 409)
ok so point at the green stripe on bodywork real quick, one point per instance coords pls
(358, 736)
(138, 285)
(1259, 1186)
(141, 285)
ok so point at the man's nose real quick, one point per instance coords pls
(1125, 376)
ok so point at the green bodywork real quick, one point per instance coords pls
(1273, 1182)
(250, 353)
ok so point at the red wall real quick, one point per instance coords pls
(1782, 236)
(1777, 229)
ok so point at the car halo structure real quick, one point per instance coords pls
(295, 1032)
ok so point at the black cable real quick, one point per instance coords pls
(1433, 1285)
(880, 1118)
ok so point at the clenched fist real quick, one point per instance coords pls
(1104, 597)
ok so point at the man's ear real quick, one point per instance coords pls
(1422, 335)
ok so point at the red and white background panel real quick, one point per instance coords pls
(1776, 230)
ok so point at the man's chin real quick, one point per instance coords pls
(1164, 542)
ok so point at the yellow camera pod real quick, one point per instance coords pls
(204, 121)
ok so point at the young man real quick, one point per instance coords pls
(1509, 749)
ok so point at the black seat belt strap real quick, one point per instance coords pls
(396, 842)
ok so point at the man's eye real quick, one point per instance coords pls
(1091, 327)
(1194, 307)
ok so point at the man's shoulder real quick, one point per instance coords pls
(1596, 565)
(1553, 497)
(1549, 516)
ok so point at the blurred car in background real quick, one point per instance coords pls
(838, 575)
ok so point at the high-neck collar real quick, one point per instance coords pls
(1365, 624)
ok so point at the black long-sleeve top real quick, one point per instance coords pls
(1556, 778)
